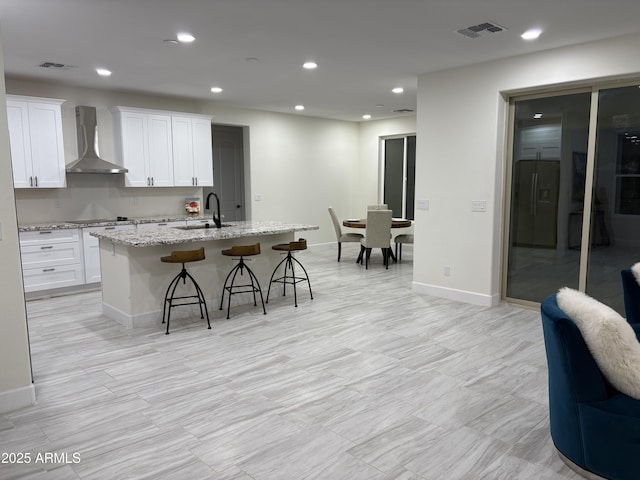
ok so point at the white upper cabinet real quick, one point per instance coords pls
(163, 149)
(192, 154)
(143, 141)
(35, 136)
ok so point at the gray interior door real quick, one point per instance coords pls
(228, 171)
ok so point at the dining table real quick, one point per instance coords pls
(362, 223)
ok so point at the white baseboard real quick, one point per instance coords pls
(457, 295)
(17, 398)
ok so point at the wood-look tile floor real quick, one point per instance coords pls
(368, 380)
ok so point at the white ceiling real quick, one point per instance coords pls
(363, 48)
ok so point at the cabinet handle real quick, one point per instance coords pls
(193, 181)
(36, 180)
(45, 232)
(109, 228)
(49, 270)
(162, 224)
(152, 181)
(148, 181)
(48, 247)
(31, 181)
(196, 181)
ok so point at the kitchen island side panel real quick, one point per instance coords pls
(134, 280)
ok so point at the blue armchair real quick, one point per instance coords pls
(631, 291)
(593, 426)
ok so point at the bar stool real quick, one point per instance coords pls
(288, 261)
(183, 256)
(253, 287)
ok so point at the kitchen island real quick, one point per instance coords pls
(134, 280)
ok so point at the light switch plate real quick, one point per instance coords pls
(478, 205)
(422, 204)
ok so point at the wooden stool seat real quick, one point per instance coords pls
(233, 289)
(294, 246)
(183, 256)
(242, 250)
(289, 276)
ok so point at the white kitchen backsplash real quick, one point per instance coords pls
(89, 196)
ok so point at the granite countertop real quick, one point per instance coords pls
(62, 225)
(169, 236)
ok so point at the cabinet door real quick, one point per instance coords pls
(134, 146)
(20, 142)
(47, 150)
(91, 251)
(160, 151)
(182, 151)
(202, 152)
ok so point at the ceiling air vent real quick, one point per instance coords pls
(403, 110)
(476, 31)
(56, 66)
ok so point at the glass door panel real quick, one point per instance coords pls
(550, 141)
(615, 209)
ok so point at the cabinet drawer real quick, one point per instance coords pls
(50, 254)
(49, 236)
(52, 277)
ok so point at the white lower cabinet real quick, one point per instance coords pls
(51, 259)
(91, 251)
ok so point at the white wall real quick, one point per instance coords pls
(460, 158)
(16, 389)
(299, 165)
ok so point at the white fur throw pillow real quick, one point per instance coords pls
(635, 269)
(609, 337)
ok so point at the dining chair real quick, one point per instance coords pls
(377, 235)
(342, 237)
(401, 239)
(382, 206)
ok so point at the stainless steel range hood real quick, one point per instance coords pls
(89, 162)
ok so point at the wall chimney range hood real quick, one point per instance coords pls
(89, 162)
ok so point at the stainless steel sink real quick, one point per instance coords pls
(201, 226)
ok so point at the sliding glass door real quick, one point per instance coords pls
(399, 165)
(574, 204)
(615, 207)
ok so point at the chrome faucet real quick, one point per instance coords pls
(217, 220)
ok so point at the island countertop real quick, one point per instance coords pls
(175, 235)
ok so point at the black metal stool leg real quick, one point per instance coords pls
(256, 287)
(275, 270)
(201, 300)
(305, 274)
(170, 300)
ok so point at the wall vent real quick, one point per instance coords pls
(476, 31)
(56, 66)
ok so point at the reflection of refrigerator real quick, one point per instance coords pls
(536, 203)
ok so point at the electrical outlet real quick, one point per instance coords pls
(447, 271)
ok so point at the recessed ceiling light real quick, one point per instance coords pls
(216, 89)
(251, 59)
(366, 116)
(537, 115)
(299, 107)
(398, 90)
(172, 41)
(531, 34)
(103, 72)
(310, 65)
(185, 37)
